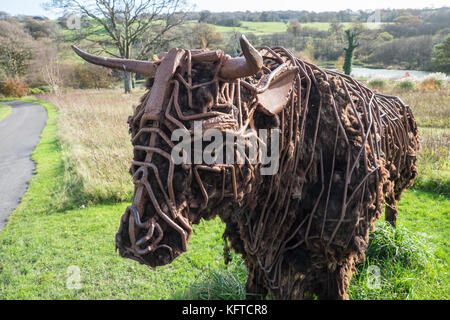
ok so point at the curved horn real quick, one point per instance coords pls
(142, 67)
(247, 65)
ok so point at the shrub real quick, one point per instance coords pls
(46, 89)
(86, 76)
(339, 64)
(377, 83)
(13, 87)
(406, 85)
(434, 81)
(35, 91)
(385, 36)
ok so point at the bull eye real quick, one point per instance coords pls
(203, 98)
(265, 121)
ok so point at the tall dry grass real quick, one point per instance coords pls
(431, 109)
(97, 151)
(93, 131)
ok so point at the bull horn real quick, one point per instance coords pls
(136, 66)
(247, 65)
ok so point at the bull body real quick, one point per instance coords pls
(344, 152)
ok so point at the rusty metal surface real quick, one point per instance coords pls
(345, 152)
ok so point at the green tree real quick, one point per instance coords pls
(351, 46)
(441, 56)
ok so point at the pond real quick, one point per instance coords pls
(360, 72)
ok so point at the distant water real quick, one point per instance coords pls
(359, 72)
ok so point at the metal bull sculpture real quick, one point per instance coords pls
(344, 152)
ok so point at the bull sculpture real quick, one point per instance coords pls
(344, 152)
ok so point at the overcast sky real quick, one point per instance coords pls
(33, 7)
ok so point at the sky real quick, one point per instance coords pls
(33, 7)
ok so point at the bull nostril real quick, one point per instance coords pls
(165, 256)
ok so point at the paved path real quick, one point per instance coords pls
(19, 134)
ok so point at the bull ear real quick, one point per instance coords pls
(273, 99)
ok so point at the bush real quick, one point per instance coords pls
(13, 87)
(86, 76)
(434, 81)
(406, 85)
(377, 83)
(46, 89)
(35, 91)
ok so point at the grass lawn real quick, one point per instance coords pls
(4, 111)
(48, 234)
(428, 214)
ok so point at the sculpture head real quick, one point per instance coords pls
(197, 142)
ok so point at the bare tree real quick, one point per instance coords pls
(51, 71)
(129, 29)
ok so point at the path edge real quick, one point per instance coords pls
(45, 137)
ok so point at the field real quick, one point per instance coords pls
(260, 28)
(82, 187)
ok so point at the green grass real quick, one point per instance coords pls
(4, 112)
(413, 259)
(400, 265)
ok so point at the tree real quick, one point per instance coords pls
(41, 29)
(336, 28)
(294, 27)
(4, 15)
(205, 36)
(127, 29)
(50, 68)
(441, 56)
(16, 49)
(351, 46)
(408, 19)
(384, 36)
(204, 16)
